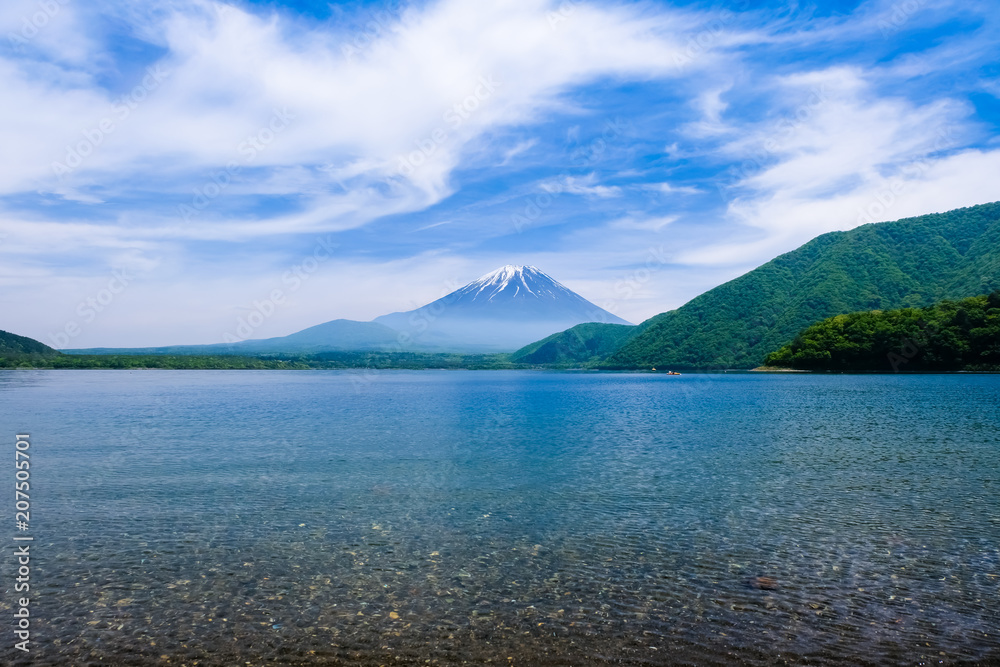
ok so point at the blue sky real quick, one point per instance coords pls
(172, 167)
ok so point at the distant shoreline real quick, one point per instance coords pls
(270, 365)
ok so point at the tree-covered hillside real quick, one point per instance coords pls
(948, 336)
(16, 350)
(907, 263)
(581, 344)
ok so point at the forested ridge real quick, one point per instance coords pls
(948, 336)
(908, 263)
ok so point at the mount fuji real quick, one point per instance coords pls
(501, 311)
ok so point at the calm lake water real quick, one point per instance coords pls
(506, 518)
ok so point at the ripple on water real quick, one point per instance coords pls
(593, 519)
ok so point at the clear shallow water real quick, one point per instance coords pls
(300, 518)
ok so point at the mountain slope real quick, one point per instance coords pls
(907, 263)
(333, 336)
(329, 336)
(501, 311)
(13, 346)
(580, 344)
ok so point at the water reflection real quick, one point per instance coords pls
(511, 518)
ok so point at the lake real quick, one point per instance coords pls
(506, 518)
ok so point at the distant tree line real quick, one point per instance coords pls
(331, 360)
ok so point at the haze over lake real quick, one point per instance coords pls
(527, 518)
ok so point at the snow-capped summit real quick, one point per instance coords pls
(504, 309)
(513, 281)
(502, 276)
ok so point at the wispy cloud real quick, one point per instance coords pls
(647, 225)
(521, 147)
(669, 189)
(586, 186)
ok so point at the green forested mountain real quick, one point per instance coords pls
(21, 349)
(580, 344)
(907, 263)
(948, 336)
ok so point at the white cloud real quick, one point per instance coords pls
(433, 225)
(832, 159)
(711, 106)
(585, 186)
(521, 147)
(399, 114)
(668, 189)
(642, 224)
(52, 28)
